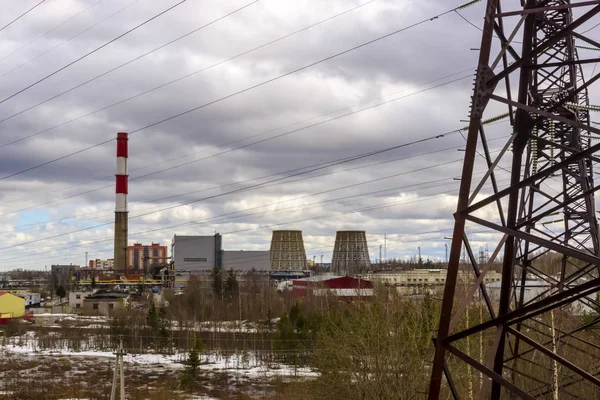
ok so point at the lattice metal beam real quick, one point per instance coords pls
(548, 207)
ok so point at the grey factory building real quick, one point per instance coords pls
(203, 253)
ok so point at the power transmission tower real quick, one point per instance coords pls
(527, 353)
(118, 372)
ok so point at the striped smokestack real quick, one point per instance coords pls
(121, 179)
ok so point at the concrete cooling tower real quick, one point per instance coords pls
(287, 251)
(350, 253)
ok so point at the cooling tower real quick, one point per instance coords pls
(350, 253)
(287, 251)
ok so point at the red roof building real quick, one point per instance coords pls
(346, 287)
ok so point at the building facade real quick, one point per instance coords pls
(142, 257)
(63, 275)
(197, 253)
(104, 303)
(76, 299)
(243, 260)
(102, 264)
(11, 306)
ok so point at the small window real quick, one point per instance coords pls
(78, 296)
(77, 305)
(95, 306)
(111, 306)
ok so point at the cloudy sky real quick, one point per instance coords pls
(262, 151)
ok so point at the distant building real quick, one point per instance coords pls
(243, 260)
(63, 275)
(76, 299)
(204, 253)
(421, 281)
(11, 306)
(197, 253)
(104, 303)
(142, 257)
(31, 299)
(344, 287)
(102, 264)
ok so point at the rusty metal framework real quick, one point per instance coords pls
(530, 345)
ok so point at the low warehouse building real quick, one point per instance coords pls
(11, 306)
(346, 287)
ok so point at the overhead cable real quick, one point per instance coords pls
(91, 52)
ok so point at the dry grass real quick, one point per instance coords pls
(60, 377)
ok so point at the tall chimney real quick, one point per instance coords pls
(121, 179)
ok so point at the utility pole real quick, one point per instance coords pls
(385, 246)
(419, 260)
(118, 372)
(380, 259)
(321, 259)
(86, 258)
(446, 245)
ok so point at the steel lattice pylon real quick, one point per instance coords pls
(530, 346)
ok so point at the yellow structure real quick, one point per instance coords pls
(11, 306)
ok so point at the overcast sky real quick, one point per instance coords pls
(65, 208)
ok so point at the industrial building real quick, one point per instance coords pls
(246, 260)
(11, 306)
(197, 253)
(287, 251)
(350, 253)
(420, 281)
(204, 253)
(345, 287)
(141, 257)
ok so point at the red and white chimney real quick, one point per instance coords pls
(122, 175)
(121, 188)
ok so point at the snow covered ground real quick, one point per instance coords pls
(247, 363)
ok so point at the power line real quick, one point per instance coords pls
(255, 185)
(51, 30)
(228, 143)
(244, 90)
(271, 225)
(180, 78)
(314, 194)
(242, 146)
(271, 175)
(184, 76)
(121, 66)
(69, 39)
(21, 16)
(92, 52)
(249, 180)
